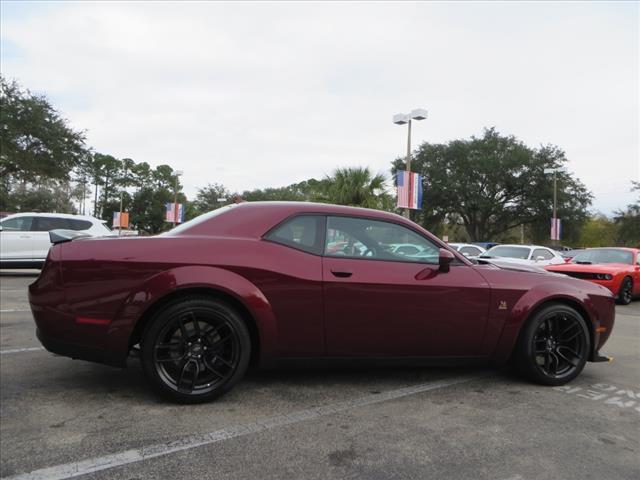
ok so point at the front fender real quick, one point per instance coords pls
(183, 278)
(529, 302)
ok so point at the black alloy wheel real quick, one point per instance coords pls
(554, 345)
(195, 350)
(625, 295)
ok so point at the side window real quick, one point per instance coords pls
(45, 224)
(303, 232)
(540, 252)
(18, 224)
(78, 224)
(377, 240)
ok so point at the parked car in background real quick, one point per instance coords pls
(469, 250)
(618, 269)
(486, 245)
(24, 237)
(569, 254)
(262, 283)
(524, 254)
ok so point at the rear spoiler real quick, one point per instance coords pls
(61, 236)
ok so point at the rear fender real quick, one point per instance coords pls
(184, 278)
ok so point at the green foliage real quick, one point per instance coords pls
(357, 187)
(46, 196)
(493, 184)
(35, 142)
(628, 222)
(208, 198)
(598, 231)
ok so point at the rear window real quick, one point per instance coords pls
(303, 232)
(45, 224)
(198, 220)
(78, 224)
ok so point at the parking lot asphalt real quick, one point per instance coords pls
(61, 418)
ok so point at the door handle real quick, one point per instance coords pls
(341, 273)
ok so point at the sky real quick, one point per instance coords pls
(265, 94)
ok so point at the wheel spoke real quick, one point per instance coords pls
(567, 330)
(230, 365)
(167, 345)
(556, 361)
(183, 329)
(196, 325)
(213, 370)
(573, 362)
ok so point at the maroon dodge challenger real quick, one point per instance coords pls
(277, 283)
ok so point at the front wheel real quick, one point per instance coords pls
(553, 346)
(625, 294)
(195, 350)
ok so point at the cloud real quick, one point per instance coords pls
(265, 94)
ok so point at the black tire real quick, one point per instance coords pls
(195, 349)
(553, 346)
(625, 294)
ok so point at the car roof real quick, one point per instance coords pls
(524, 246)
(58, 215)
(253, 219)
(629, 249)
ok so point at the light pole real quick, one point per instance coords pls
(555, 202)
(405, 118)
(175, 197)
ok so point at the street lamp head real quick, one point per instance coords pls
(177, 173)
(418, 114)
(400, 119)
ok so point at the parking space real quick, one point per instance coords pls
(62, 418)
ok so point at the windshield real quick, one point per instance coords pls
(508, 252)
(198, 220)
(604, 255)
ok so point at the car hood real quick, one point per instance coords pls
(510, 265)
(589, 268)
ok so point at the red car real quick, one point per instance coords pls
(618, 269)
(254, 283)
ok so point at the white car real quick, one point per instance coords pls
(524, 255)
(468, 249)
(24, 237)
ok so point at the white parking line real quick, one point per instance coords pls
(20, 350)
(11, 310)
(96, 464)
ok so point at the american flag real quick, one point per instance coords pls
(171, 212)
(409, 190)
(556, 228)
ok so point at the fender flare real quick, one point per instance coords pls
(169, 282)
(529, 303)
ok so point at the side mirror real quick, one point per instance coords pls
(0, 228)
(445, 257)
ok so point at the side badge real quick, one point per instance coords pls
(502, 305)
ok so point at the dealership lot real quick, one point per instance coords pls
(61, 418)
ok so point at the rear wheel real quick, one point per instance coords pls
(195, 350)
(554, 345)
(625, 294)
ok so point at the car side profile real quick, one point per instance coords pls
(524, 254)
(24, 237)
(617, 269)
(281, 283)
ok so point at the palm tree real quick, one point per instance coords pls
(356, 186)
